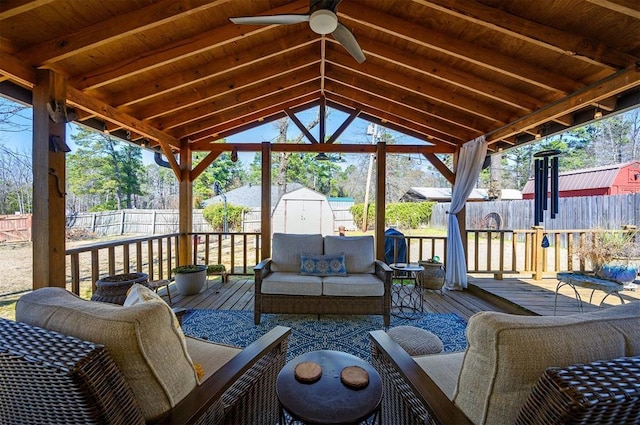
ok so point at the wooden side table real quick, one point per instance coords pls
(328, 400)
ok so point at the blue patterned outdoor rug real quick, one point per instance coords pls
(308, 333)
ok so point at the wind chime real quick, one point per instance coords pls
(546, 193)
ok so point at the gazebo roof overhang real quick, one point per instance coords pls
(168, 74)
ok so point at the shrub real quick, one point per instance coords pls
(410, 215)
(214, 214)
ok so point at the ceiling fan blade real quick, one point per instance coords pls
(270, 20)
(348, 41)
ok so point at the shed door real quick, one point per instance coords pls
(302, 216)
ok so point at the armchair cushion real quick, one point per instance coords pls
(210, 357)
(508, 353)
(141, 339)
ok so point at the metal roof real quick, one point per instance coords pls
(586, 178)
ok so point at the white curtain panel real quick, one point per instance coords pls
(472, 155)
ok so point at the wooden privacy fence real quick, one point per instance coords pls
(584, 212)
(15, 228)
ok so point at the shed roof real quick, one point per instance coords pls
(250, 195)
(586, 178)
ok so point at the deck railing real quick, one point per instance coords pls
(496, 252)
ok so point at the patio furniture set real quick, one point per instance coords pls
(140, 368)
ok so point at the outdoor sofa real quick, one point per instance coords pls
(340, 275)
(72, 361)
(577, 369)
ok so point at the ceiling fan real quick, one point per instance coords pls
(322, 19)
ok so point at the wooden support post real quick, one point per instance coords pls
(381, 181)
(185, 208)
(538, 252)
(49, 178)
(265, 212)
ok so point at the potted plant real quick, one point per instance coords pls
(113, 288)
(189, 279)
(614, 256)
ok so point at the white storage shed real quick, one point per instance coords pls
(303, 211)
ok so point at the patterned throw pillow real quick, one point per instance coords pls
(323, 265)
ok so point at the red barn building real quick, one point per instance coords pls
(616, 179)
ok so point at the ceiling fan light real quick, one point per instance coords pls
(323, 21)
(322, 157)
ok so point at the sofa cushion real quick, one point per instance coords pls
(291, 284)
(508, 353)
(287, 248)
(354, 285)
(323, 265)
(358, 251)
(141, 340)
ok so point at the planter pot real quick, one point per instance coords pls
(113, 289)
(191, 283)
(618, 273)
(432, 277)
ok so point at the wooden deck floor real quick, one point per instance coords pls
(511, 295)
(538, 296)
(485, 294)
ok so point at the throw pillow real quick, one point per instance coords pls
(138, 294)
(323, 265)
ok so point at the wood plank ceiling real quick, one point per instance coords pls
(170, 72)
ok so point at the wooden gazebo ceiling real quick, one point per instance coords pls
(444, 71)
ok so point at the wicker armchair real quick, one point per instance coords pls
(602, 392)
(48, 378)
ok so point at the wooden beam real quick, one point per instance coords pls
(216, 122)
(249, 62)
(345, 124)
(381, 183)
(112, 30)
(181, 49)
(409, 123)
(216, 101)
(441, 166)
(626, 7)
(411, 82)
(185, 207)
(108, 113)
(397, 108)
(17, 71)
(49, 177)
(265, 210)
(394, 95)
(567, 43)
(458, 48)
(12, 8)
(323, 147)
(300, 126)
(203, 164)
(449, 75)
(603, 89)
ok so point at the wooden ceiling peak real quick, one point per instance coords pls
(442, 71)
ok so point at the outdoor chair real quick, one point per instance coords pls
(136, 370)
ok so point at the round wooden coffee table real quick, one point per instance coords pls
(328, 400)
